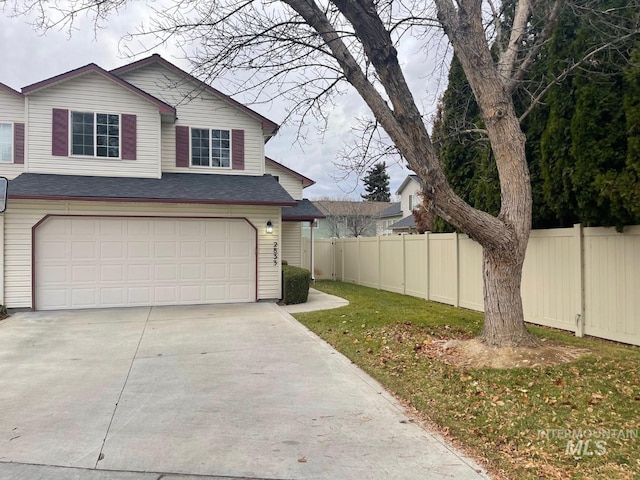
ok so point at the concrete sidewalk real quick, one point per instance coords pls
(215, 391)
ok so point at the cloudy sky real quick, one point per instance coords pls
(29, 56)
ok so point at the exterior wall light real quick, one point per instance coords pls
(269, 227)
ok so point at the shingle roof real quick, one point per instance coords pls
(306, 181)
(171, 188)
(393, 210)
(305, 210)
(406, 222)
(349, 208)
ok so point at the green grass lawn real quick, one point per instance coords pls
(514, 420)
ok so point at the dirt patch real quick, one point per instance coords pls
(473, 353)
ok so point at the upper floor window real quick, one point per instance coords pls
(6, 142)
(95, 134)
(412, 202)
(210, 148)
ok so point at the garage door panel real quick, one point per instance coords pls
(84, 250)
(84, 262)
(84, 227)
(216, 271)
(215, 249)
(111, 250)
(82, 274)
(216, 293)
(239, 249)
(190, 273)
(138, 295)
(111, 228)
(166, 295)
(112, 273)
(238, 271)
(83, 297)
(138, 272)
(238, 292)
(138, 250)
(165, 229)
(112, 297)
(55, 274)
(165, 249)
(140, 228)
(54, 298)
(191, 250)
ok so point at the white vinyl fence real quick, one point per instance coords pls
(586, 280)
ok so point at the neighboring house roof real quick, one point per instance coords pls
(406, 223)
(393, 210)
(305, 210)
(93, 68)
(406, 182)
(171, 188)
(306, 182)
(8, 89)
(347, 208)
(155, 58)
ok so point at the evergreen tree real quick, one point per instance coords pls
(376, 184)
(583, 141)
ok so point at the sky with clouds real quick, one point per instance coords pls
(29, 56)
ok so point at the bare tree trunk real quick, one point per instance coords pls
(504, 317)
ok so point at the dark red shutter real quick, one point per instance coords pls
(237, 149)
(129, 137)
(60, 132)
(18, 143)
(182, 146)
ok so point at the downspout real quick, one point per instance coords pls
(312, 261)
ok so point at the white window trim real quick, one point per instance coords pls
(95, 135)
(13, 147)
(209, 167)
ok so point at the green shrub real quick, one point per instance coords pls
(295, 284)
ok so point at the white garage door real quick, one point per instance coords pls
(92, 262)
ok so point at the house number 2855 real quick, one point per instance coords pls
(275, 253)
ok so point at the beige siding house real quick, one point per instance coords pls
(141, 186)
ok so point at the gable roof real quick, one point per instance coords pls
(163, 107)
(157, 59)
(406, 181)
(306, 182)
(394, 210)
(347, 208)
(408, 222)
(8, 89)
(171, 188)
(305, 210)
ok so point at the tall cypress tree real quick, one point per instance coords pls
(583, 145)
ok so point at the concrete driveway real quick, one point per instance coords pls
(240, 391)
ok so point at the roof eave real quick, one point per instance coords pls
(267, 125)
(163, 107)
(149, 200)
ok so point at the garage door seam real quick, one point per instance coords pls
(124, 385)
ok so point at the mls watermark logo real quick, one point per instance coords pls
(585, 448)
(588, 442)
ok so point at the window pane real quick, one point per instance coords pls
(82, 138)
(6, 140)
(220, 148)
(199, 147)
(108, 134)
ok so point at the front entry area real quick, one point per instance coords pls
(97, 262)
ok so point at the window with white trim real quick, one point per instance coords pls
(210, 147)
(95, 134)
(6, 142)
